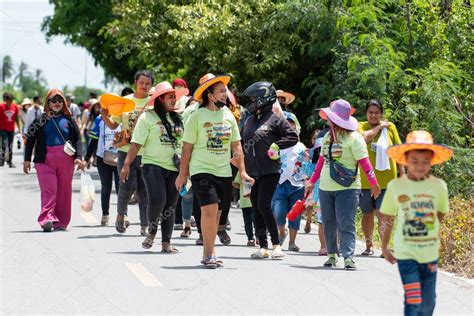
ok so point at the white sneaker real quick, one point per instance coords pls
(277, 253)
(262, 253)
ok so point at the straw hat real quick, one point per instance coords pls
(165, 87)
(116, 104)
(289, 97)
(339, 112)
(419, 140)
(208, 80)
(25, 101)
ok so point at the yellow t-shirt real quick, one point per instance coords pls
(129, 119)
(158, 147)
(383, 177)
(211, 133)
(347, 150)
(415, 204)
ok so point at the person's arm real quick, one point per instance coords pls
(85, 120)
(18, 121)
(371, 134)
(29, 146)
(366, 166)
(107, 120)
(289, 137)
(91, 148)
(131, 155)
(184, 165)
(78, 146)
(401, 169)
(239, 159)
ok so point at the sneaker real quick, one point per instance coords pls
(193, 222)
(262, 253)
(143, 230)
(251, 243)
(126, 221)
(293, 247)
(178, 226)
(105, 220)
(349, 264)
(48, 227)
(186, 232)
(332, 261)
(277, 253)
(224, 237)
(11, 165)
(199, 241)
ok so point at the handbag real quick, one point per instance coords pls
(68, 147)
(110, 158)
(340, 174)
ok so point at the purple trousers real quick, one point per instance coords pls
(55, 181)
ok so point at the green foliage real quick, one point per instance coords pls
(415, 56)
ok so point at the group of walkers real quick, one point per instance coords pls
(176, 151)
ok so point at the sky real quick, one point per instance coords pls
(22, 39)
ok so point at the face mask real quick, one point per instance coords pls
(220, 104)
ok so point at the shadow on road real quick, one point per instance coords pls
(106, 236)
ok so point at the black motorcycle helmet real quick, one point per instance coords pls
(258, 95)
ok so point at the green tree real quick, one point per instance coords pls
(7, 68)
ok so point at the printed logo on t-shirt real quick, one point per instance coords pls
(336, 151)
(165, 139)
(218, 135)
(9, 114)
(419, 215)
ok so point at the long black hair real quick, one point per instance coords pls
(160, 110)
(205, 96)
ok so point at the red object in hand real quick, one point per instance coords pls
(296, 210)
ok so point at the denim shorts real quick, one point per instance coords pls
(367, 203)
(209, 189)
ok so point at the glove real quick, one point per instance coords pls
(274, 152)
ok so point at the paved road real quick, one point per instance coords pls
(93, 270)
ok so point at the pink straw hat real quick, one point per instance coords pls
(165, 87)
(339, 112)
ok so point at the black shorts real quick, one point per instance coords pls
(209, 189)
(367, 203)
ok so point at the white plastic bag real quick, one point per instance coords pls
(87, 192)
(382, 161)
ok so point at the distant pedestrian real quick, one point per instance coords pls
(9, 117)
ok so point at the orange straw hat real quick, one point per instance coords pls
(289, 97)
(165, 87)
(116, 104)
(420, 140)
(208, 80)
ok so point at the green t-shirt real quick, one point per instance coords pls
(383, 177)
(347, 150)
(211, 133)
(129, 119)
(157, 145)
(415, 204)
(188, 111)
(244, 201)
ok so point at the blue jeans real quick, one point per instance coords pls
(419, 284)
(284, 198)
(338, 210)
(187, 205)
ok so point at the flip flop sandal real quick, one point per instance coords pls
(186, 232)
(307, 228)
(209, 263)
(322, 253)
(219, 263)
(120, 227)
(367, 253)
(126, 221)
(170, 249)
(293, 247)
(148, 242)
(224, 237)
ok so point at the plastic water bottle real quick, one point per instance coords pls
(183, 191)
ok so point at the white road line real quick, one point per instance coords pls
(142, 274)
(89, 218)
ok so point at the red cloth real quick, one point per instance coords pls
(8, 116)
(179, 82)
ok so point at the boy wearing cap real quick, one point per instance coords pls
(419, 201)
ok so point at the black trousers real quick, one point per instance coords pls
(261, 197)
(162, 199)
(107, 174)
(7, 145)
(179, 212)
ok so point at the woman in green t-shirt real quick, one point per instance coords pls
(385, 171)
(158, 133)
(211, 134)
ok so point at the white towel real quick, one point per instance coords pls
(382, 161)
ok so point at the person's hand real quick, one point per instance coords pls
(274, 152)
(308, 189)
(124, 173)
(245, 177)
(80, 164)
(276, 108)
(383, 124)
(180, 181)
(26, 167)
(88, 164)
(375, 190)
(104, 112)
(388, 255)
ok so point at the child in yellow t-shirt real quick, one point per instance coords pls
(419, 202)
(247, 211)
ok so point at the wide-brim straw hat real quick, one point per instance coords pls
(208, 80)
(420, 140)
(25, 101)
(339, 112)
(165, 87)
(116, 104)
(289, 97)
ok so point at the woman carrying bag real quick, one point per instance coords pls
(158, 132)
(56, 141)
(343, 151)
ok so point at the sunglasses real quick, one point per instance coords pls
(56, 99)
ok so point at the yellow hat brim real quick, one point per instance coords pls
(441, 153)
(225, 79)
(115, 104)
(290, 97)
